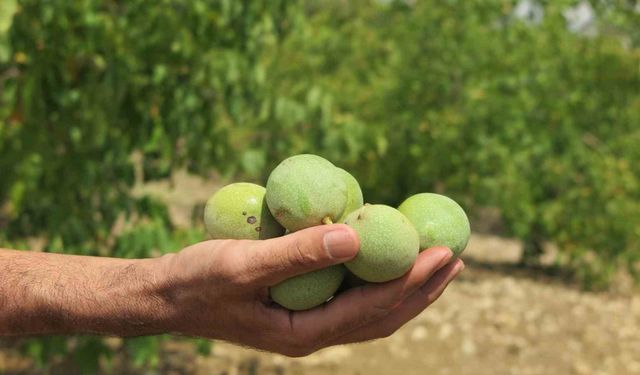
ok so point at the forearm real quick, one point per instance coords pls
(44, 293)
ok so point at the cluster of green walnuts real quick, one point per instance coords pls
(307, 190)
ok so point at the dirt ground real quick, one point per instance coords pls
(496, 318)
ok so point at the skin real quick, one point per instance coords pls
(215, 289)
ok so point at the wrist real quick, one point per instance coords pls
(185, 284)
(174, 293)
(144, 294)
(165, 308)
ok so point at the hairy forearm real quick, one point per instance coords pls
(44, 293)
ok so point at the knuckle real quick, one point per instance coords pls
(244, 279)
(298, 256)
(236, 263)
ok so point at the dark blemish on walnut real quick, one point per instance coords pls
(258, 229)
(244, 213)
(251, 220)
(280, 212)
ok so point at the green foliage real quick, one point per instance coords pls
(42, 350)
(460, 97)
(88, 353)
(144, 350)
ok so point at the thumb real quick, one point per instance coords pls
(278, 259)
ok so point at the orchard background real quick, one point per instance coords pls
(526, 112)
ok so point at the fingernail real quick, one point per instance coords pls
(459, 268)
(339, 244)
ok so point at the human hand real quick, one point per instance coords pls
(219, 289)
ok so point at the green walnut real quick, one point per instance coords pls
(439, 220)
(389, 243)
(308, 290)
(354, 194)
(239, 211)
(304, 191)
